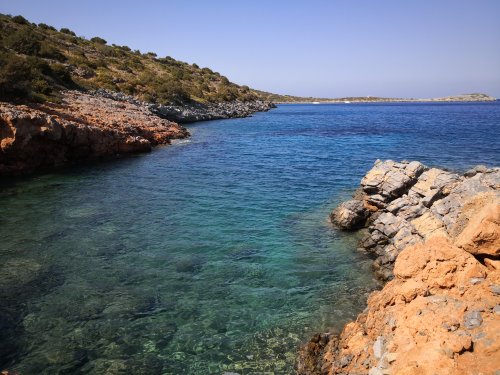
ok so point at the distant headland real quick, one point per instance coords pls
(474, 97)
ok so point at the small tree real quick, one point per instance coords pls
(65, 30)
(98, 40)
(46, 27)
(20, 20)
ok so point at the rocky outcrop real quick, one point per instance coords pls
(98, 124)
(406, 203)
(82, 127)
(350, 215)
(440, 312)
(193, 111)
(439, 315)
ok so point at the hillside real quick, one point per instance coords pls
(38, 61)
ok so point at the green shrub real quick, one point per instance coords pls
(24, 41)
(170, 91)
(46, 27)
(50, 52)
(20, 20)
(65, 30)
(15, 77)
(98, 40)
(61, 75)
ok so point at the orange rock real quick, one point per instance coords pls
(482, 235)
(439, 315)
(81, 127)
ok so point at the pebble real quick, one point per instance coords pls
(378, 347)
(375, 371)
(476, 280)
(495, 289)
(472, 319)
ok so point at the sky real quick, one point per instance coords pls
(320, 48)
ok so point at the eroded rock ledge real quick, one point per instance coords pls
(440, 313)
(82, 127)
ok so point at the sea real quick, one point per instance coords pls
(213, 255)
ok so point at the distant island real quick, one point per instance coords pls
(475, 97)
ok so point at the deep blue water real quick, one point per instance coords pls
(213, 254)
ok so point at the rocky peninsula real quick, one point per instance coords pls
(435, 236)
(87, 126)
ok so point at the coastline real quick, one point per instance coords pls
(436, 239)
(464, 98)
(382, 101)
(96, 125)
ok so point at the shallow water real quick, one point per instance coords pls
(213, 254)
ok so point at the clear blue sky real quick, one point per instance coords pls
(420, 48)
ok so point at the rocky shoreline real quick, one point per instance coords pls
(193, 111)
(89, 126)
(435, 236)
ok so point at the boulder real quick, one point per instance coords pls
(390, 179)
(350, 215)
(482, 234)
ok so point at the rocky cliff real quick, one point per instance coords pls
(81, 127)
(437, 237)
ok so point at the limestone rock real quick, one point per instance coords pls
(349, 215)
(407, 202)
(390, 179)
(193, 111)
(482, 235)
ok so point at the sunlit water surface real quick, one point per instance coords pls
(214, 254)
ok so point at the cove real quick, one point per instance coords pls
(213, 254)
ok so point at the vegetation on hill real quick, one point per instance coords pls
(38, 61)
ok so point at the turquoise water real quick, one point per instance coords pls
(214, 254)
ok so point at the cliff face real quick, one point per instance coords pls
(82, 127)
(440, 312)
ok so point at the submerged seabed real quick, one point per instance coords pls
(210, 255)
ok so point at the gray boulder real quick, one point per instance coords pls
(350, 215)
